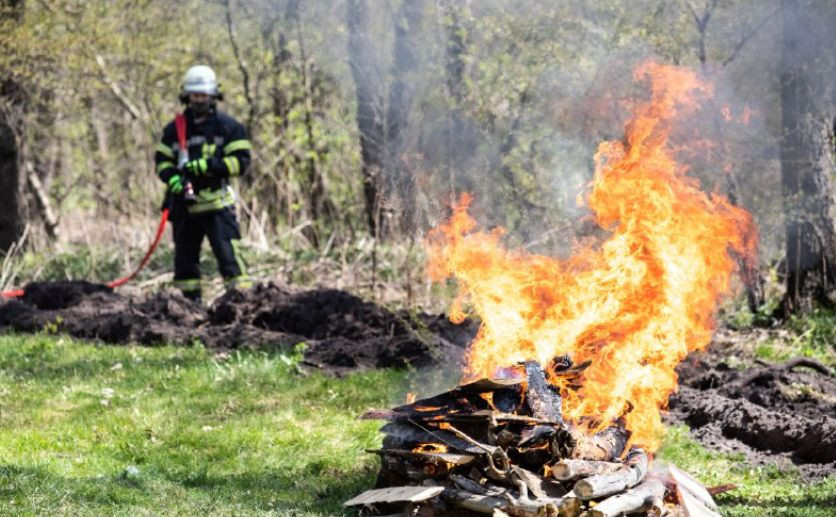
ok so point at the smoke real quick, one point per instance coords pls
(510, 100)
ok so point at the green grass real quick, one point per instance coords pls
(245, 435)
(103, 430)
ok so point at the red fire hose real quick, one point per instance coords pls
(125, 279)
(157, 237)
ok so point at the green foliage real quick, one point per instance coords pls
(815, 334)
(538, 88)
(815, 330)
(740, 317)
(76, 263)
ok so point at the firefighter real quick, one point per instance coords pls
(218, 150)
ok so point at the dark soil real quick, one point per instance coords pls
(341, 331)
(773, 414)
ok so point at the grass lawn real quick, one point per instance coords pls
(88, 429)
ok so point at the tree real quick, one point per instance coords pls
(11, 130)
(807, 159)
(365, 70)
(399, 181)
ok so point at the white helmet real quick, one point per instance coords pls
(199, 79)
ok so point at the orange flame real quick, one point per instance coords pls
(747, 115)
(430, 447)
(634, 304)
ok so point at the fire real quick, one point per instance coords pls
(431, 448)
(634, 304)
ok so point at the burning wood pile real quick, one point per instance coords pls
(501, 447)
(549, 438)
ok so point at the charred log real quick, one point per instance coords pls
(542, 397)
(604, 446)
(475, 503)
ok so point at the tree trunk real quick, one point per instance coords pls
(11, 122)
(806, 165)
(321, 208)
(280, 201)
(454, 70)
(366, 75)
(400, 189)
(11, 218)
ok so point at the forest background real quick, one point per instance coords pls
(369, 117)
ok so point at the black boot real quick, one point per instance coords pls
(193, 295)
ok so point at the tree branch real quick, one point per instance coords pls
(135, 112)
(50, 219)
(747, 37)
(242, 65)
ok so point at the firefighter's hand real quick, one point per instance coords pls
(175, 184)
(197, 167)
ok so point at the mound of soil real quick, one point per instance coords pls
(774, 414)
(341, 331)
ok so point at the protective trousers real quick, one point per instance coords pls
(221, 228)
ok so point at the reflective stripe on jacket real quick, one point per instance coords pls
(223, 142)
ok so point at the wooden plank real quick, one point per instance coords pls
(483, 385)
(444, 416)
(404, 436)
(398, 494)
(498, 416)
(687, 482)
(693, 507)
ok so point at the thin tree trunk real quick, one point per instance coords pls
(400, 180)
(806, 167)
(321, 208)
(750, 272)
(454, 68)
(366, 75)
(281, 201)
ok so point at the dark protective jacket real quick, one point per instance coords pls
(220, 139)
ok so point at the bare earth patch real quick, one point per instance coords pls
(341, 331)
(775, 414)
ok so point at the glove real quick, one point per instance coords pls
(175, 184)
(197, 167)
